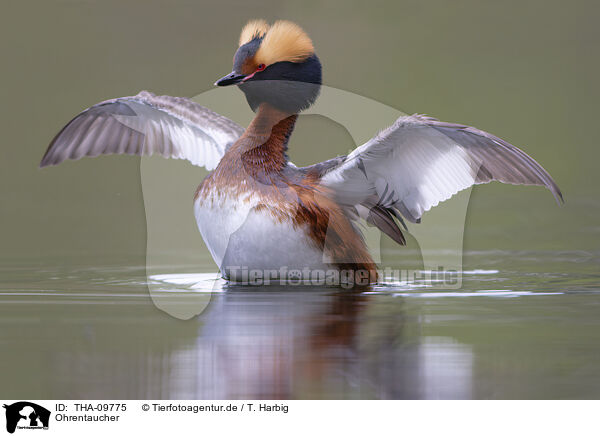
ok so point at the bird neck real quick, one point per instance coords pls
(263, 145)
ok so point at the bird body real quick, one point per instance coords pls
(261, 216)
(260, 211)
(243, 236)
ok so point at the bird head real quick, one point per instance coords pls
(276, 65)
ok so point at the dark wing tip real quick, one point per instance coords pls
(518, 163)
(382, 218)
(67, 143)
(47, 162)
(47, 159)
(558, 195)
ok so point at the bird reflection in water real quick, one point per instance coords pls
(250, 343)
(282, 344)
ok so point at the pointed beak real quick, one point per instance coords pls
(230, 79)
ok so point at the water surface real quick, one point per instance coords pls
(527, 326)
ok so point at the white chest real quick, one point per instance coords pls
(243, 238)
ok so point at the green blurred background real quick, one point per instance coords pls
(76, 318)
(524, 70)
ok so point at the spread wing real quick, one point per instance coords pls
(146, 124)
(419, 162)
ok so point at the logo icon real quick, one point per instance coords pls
(26, 415)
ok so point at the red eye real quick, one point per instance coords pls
(261, 67)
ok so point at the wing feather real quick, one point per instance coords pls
(419, 162)
(146, 124)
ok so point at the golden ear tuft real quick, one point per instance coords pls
(253, 29)
(284, 41)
